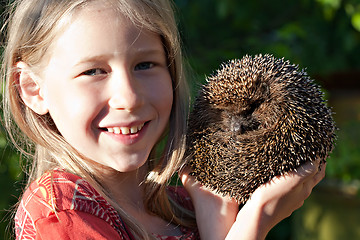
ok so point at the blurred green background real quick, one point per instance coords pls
(322, 36)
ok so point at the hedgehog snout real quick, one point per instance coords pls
(235, 125)
(240, 124)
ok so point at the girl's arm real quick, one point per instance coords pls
(218, 217)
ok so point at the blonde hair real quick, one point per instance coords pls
(32, 26)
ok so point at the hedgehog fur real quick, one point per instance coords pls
(254, 119)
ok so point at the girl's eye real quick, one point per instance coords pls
(94, 72)
(143, 66)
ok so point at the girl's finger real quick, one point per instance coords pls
(308, 170)
(320, 174)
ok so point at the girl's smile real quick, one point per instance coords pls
(126, 135)
(125, 130)
(108, 88)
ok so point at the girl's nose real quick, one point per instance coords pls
(126, 92)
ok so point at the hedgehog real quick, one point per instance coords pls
(256, 118)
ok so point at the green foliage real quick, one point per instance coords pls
(344, 162)
(322, 35)
(10, 178)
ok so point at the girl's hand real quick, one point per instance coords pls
(215, 214)
(276, 200)
(268, 205)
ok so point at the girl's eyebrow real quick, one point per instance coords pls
(149, 51)
(94, 58)
(144, 51)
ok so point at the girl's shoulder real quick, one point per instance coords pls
(57, 193)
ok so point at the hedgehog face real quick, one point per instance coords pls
(238, 94)
(239, 123)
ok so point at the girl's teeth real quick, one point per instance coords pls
(125, 130)
(134, 129)
(140, 127)
(117, 130)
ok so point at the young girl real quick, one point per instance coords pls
(94, 89)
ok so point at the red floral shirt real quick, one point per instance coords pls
(81, 212)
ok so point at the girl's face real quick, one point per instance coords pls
(107, 88)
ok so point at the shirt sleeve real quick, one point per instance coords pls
(74, 225)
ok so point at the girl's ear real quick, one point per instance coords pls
(30, 89)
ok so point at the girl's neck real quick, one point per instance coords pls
(124, 187)
(127, 189)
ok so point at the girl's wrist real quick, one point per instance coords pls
(251, 222)
(215, 215)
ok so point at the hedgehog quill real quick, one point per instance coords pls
(256, 118)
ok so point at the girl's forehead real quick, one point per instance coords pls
(83, 17)
(103, 19)
(98, 8)
(109, 15)
(87, 20)
(101, 32)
